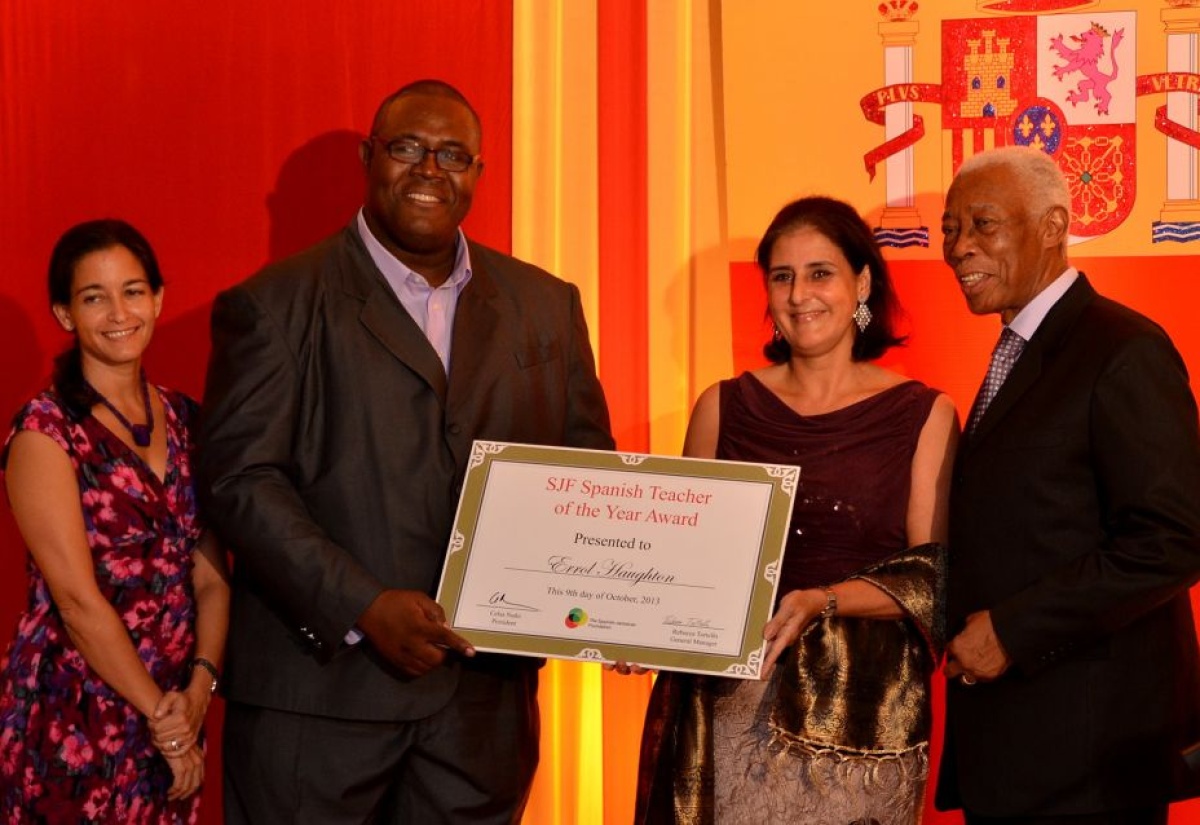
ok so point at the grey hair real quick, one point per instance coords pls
(1040, 177)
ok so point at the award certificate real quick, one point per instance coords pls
(670, 563)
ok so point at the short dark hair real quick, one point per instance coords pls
(427, 86)
(844, 227)
(73, 246)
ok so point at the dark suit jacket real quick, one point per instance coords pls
(1075, 519)
(334, 447)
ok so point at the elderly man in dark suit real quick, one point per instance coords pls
(1074, 529)
(345, 389)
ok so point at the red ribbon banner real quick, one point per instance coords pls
(873, 104)
(1157, 84)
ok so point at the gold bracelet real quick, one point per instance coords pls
(830, 608)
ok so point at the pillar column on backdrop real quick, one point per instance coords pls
(1182, 24)
(899, 35)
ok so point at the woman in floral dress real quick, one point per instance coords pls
(104, 688)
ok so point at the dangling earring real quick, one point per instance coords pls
(862, 316)
(778, 334)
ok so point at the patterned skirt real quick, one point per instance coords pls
(760, 779)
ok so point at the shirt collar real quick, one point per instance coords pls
(397, 273)
(1030, 318)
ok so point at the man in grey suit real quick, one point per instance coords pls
(1074, 530)
(345, 389)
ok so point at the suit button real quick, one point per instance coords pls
(311, 637)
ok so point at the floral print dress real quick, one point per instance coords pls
(71, 749)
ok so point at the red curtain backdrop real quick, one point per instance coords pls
(227, 132)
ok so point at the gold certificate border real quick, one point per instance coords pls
(747, 663)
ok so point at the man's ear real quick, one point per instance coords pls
(1055, 226)
(364, 153)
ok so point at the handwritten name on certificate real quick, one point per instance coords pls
(671, 563)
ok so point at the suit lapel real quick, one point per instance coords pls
(473, 351)
(385, 317)
(1046, 340)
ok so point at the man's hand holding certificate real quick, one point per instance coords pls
(671, 563)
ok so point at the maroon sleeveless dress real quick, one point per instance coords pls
(839, 731)
(855, 472)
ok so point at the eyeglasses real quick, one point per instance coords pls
(406, 150)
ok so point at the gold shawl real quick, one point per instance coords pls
(851, 688)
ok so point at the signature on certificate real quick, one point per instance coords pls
(675, 621)
(501, 600)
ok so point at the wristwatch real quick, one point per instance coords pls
(200, 661)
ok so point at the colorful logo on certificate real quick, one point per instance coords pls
(576, 617)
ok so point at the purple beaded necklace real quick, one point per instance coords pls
(141, 432)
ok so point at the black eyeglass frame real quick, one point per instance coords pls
(392, 147)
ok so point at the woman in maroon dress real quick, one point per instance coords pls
(838, 731)
(104, 688)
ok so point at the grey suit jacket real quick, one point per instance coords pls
(1075, 519)
(333, 449)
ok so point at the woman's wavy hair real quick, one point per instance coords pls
(72, 247)
(844, 227)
